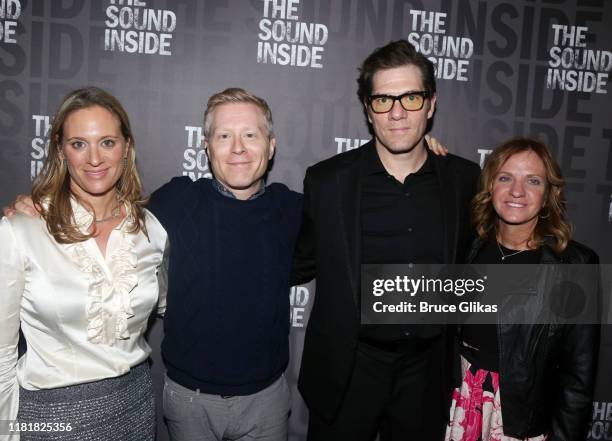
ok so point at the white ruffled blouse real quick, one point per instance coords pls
(83, 315)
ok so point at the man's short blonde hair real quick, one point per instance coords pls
(237, 95)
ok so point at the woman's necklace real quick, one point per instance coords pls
(114, 214)
(505, 256)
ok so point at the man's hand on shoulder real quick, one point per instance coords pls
(22, 204)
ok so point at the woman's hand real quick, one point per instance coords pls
(435, 146)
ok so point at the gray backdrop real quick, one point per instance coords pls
(506, 68)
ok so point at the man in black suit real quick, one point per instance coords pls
(390, 201)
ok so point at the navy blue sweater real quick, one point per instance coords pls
(227, 321)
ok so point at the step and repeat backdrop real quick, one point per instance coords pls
(504, 68)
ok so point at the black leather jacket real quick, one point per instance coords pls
(547, 371)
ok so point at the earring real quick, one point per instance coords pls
(125, 162)
(547, 214)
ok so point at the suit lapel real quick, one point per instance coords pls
(450, 208)
(349, 194)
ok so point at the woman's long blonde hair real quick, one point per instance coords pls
(551, 221)
(51, 189)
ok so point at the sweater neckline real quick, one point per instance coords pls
(234, 201)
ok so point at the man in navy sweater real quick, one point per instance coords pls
(227, 321)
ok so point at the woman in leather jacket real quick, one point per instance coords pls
(524, 381)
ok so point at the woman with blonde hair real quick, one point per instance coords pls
(524, 381)
(80, 282)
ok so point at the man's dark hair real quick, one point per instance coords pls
(395, 54)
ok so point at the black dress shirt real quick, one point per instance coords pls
(401, 222)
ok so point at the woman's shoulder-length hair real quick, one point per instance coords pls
(51, 189)
(552, 226)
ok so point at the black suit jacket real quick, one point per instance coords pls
(329, 247)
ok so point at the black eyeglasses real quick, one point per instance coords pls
(410, 101)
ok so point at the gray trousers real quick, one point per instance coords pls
(195, 416)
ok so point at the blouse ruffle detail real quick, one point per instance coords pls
(108, 305)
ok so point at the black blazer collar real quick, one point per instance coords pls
(450, 201)
(349, 193)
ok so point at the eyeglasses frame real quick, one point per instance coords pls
(423, 93)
